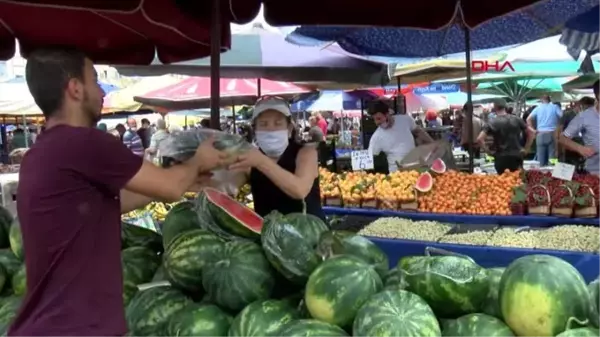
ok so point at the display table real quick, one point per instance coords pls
(511, 220)
(587, 264)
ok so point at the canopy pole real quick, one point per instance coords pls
(469, 95)
(259, 87)
(215, 64)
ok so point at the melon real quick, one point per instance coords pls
(231, 215)
(424, 182)
(438, 166)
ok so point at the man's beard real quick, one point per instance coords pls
(91, 110)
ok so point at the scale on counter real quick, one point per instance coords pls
(424, 155)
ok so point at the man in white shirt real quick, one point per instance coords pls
(395, 134)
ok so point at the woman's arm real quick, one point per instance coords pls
(298, 184)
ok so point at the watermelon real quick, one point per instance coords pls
(238, 276)
(541, 295)
(159, 275)
(199, 320)
(139, 264)
(290, 244)
(395, 313)
(6, 219)
(231, 215)
(338, 242)
(594, 289)
(424, 182)
(339, 287)
(150, 310)
(394, 279)
(263, 318)
(19, 281)
(310, 328)
(475, 325)
(438, 166)
(9, 306)
(16, 239)
(9, 261)
(452, 285)
(186, 257)
(181, 218)
(136, 236)
(580, 332)
(491, 305)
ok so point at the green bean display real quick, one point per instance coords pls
(570, 237)
(479, 238)
(399, 228)
(511, 237)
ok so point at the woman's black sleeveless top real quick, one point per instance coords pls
(268, 197)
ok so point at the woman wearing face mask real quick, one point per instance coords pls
(283, 174)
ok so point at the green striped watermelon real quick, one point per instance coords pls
(6, 219)
(238, 276)
(290, 244)
(594, 289)
(542, 295)
(263, 318)
(9, 261)
(475, 325)
(199, 320)
(338, 242)
(394, 279)
(186, 257)
(231, 215)
(136, 236)
(339, 287)
(451, 285)
(16, 239)
(580, 332)
(19, 281)
(311, 328)
(139, 264)
(9, 306)
(491, 305)
(396, 313)
(150, 310)
(159, 275)
(181, 218)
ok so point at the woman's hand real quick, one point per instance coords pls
(252, 158)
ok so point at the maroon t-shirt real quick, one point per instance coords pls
(69, 210)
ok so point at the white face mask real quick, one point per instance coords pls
(273, 143)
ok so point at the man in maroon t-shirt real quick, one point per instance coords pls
(74, 183)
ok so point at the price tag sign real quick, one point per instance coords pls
(563, 171)
(361, 160)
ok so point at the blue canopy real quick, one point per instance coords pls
(522, 26)
(581, 33)
(334, 100)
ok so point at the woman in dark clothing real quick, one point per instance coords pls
(283, 174)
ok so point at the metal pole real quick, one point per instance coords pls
(215, 64)
(469, 95)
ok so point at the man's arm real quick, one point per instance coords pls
(419, 133)
(572, 130)
(131, 201)
(531, 118)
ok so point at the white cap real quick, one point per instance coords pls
(274, 103)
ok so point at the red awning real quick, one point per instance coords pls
(115, 32)
(427, 14)
(194, 92)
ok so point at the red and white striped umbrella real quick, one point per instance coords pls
(194, 92)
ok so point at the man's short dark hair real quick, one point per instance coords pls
(586, 101)
(145, 121)
(500, 104)
(596, 88)
(48, 72)
(378, 105)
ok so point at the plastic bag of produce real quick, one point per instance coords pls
(182, 145)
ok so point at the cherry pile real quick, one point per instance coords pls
(579, 191)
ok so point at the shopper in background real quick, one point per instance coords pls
(157, 138)
(477, 126)
(102, 127)
(283, 173)
(74, 183)
(121, 130)
(547, 116)
(131, 139)
(587, 125)
(315, 135)
(395, 134)
(321, 122)
(145, 132)
(506, 130)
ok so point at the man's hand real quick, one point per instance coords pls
(201, 182)
(208, 158)
(252, 158)
(586, 151)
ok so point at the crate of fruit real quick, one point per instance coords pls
(586, 204)
(410, 202)
(562, 201)
(538, 200)
(518, 201)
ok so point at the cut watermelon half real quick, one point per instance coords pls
(424, 182)
(231, 215)
(438, 166)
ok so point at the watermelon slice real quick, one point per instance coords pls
(231, 215)
(424, 182)
(438, 166)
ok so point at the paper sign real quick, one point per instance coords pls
(563, 171)
(145, 221)
(477, 170)
(361, 160)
